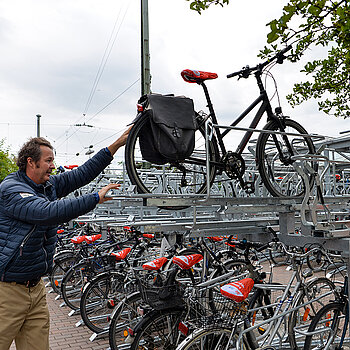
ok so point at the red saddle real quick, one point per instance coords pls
(155, 264)
(71, 167)
(185, 262)
(148, 235)
(196, 76)
(239, 290)
(216, 239)
(60, 231)
(121, 255)
(87, 239)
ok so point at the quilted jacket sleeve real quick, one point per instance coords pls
(38, 210)
(68, 182)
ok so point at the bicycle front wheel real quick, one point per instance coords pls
(327, 328)
(274, 157)
(159, 330)
(124, 316)
(210, 339)
(187, 177)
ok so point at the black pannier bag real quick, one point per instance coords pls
(169, 134)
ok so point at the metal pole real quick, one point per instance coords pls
(38, 116)
(145, 56)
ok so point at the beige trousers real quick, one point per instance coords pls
(24, 317)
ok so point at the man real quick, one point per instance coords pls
(30, 210)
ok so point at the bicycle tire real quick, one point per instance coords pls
(279, 176)
(261, 299)
(168, 178)
(59, 269)
(124, 316)
(302, 318)
(330, 323)
(216, 338)
(98, 300)
(159, 330)
(73, 283)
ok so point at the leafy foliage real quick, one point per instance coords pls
(324, 23)
(7, 161)
(306, 24)
(199, 6)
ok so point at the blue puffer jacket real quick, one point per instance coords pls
(30, 213)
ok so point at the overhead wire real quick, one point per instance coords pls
(102, 109)
(105, 58)
(106, 55)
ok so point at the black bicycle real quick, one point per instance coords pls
(281, 139)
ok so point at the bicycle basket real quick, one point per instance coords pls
(213, 309)
(159, 294)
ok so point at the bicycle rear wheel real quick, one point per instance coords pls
(328, 326)
(73, 283)
(274, 158)
(321, 288)
(60, 268)
(187, 177)
(99, 298)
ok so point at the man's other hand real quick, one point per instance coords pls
(102, 193)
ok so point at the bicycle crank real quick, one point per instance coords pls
(234, 165)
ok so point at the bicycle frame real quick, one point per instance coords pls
(279, 314)
(265, 107)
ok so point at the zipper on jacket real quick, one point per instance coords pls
(46, 264)
(20, 251)
(25, 240)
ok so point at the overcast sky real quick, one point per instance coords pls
(51, 52)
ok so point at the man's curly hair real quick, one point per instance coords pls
(31, 149)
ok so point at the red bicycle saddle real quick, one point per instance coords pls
(121, 255)
(185, 262)
(155, 264)
(71, 167)
(239, 290)
(216, 239)
(196, 76)
(148, 235)
(87, 239)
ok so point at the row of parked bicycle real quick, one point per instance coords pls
(205, 293)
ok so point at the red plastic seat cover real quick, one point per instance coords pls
(187, 261)
(155, 264)
(60, 231)
(84, 238)
(70, 167)
(93, 238)
(78, 239)
(216, 239)
(148, 235)
(239, 290)
(121, 255)
(195, 76)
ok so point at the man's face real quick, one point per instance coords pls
(41, 170)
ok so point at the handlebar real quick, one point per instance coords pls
(244, 244)
(245, 72)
